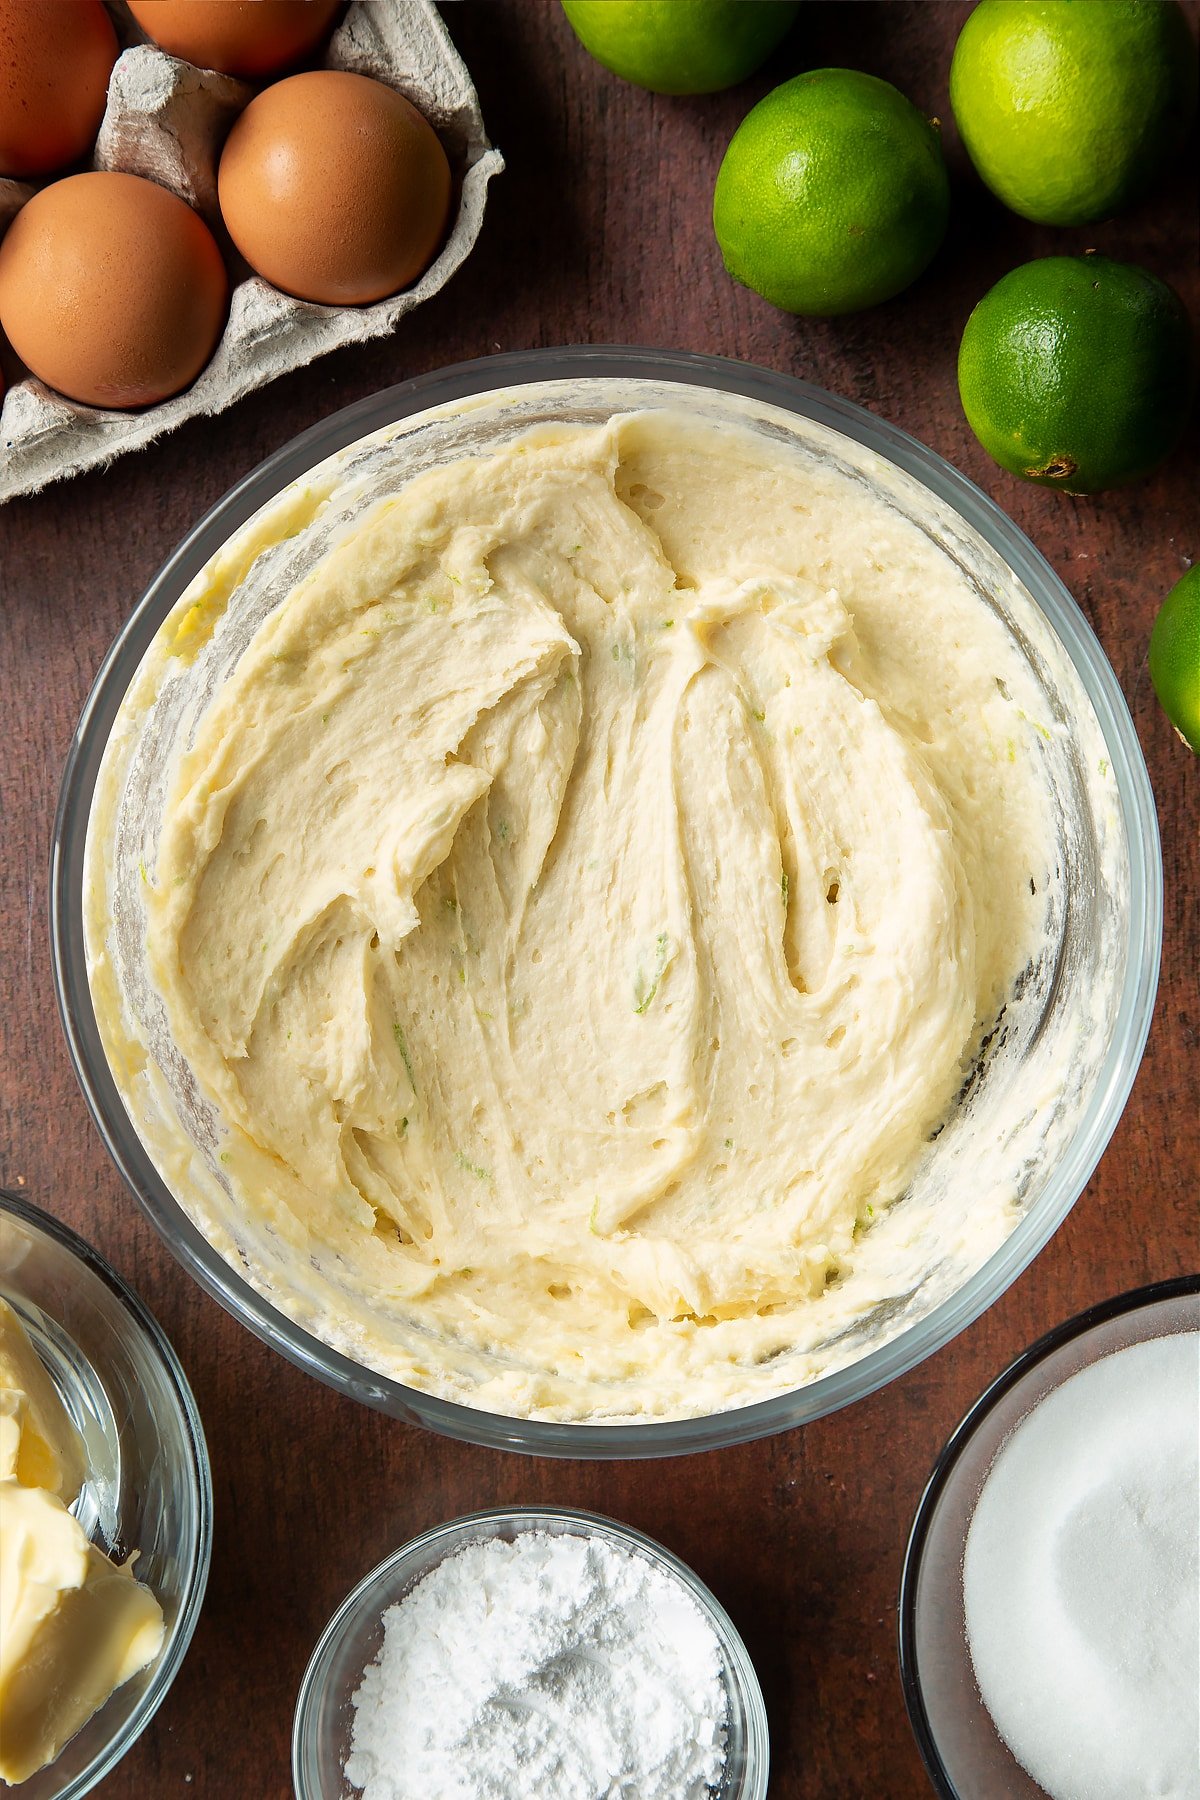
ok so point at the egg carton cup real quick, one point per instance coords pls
(167, 120)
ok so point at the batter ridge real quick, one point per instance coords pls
(584, 898)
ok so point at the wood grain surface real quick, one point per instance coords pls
(600, 232)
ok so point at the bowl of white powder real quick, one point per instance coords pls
(1050, 1602)
(530, 1652)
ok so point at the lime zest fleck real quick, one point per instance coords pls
(401, 1045)
(783, 889)
(503, 831)
(594, 1217)
(1103, 765)
(643, 994)
(729, 1143)
(472, 1168)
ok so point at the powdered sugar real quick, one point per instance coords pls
(555, 1665)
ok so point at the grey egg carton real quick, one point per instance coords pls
(167, 120)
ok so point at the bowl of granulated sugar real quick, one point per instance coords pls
(536, 1653)
(1050, 1602)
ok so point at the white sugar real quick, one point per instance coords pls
(1081, 1580)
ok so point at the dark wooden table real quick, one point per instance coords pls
(600, 231)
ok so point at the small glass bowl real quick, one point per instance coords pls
(964, 1753)
(351, 1641)
(148, 1487)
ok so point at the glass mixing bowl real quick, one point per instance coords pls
(965, 1755)
(352, 1639)
(1095, 987)
(148, 1487)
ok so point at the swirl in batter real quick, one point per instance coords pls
(584, 899)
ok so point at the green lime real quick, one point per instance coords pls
(1070, 108)
(832, 195)
(681, 46)
(1175, 657)
(1076, 372)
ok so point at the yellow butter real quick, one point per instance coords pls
(39, 1445)
(73, 1627)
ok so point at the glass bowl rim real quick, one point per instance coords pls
(652, 1437)
(159, 1346)
(1140, 1299)
(754, 1711)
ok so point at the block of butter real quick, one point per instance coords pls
(39, 1445)
(73, 1627)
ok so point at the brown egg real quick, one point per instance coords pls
(55, 61)
(252, 38)
(334, 188)
(111, 290)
